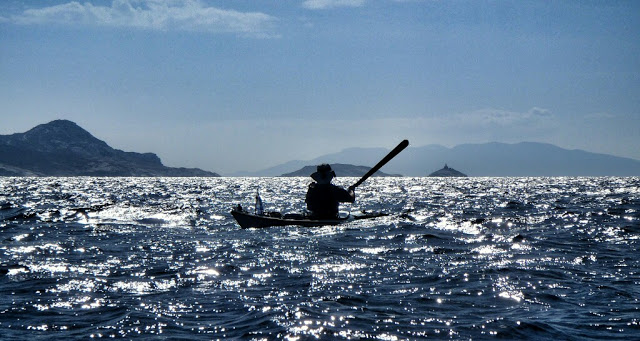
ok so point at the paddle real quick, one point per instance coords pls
(382, 162)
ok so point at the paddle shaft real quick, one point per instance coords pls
(382, 162)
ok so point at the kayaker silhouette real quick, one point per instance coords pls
(323, 197)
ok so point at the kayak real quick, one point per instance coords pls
(251, 220)
(260, 219)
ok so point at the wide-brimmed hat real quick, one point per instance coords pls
(323, 174)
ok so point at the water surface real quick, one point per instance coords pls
(472, 258)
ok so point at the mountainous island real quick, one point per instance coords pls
(485, 159)
(341, 169)
(62, 148)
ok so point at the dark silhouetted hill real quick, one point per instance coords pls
(342, 170)
(448, 172)
(62, 148)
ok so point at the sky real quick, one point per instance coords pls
(243, 85)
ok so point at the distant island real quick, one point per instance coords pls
(448, 172)
(62, 148)
(485, 159)
(341, 169)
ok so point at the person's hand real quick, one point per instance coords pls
(351, 189)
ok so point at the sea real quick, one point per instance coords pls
(455, 259)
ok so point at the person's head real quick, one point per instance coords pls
(324, 174)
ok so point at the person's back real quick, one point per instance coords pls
(323, 198)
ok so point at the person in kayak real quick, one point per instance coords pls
(323, 197)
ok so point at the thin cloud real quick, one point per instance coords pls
(326, 4)
(506, 117)
(176, 15)
(600, 116)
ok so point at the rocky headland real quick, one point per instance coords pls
(62, 148)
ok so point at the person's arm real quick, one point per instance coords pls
(309, 197)
(352, 193)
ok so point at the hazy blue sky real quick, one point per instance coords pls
(247, 84)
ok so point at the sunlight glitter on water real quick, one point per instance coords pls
(325, 268)
(448, 223)
(450, 253)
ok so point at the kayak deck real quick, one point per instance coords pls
(250, 220)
